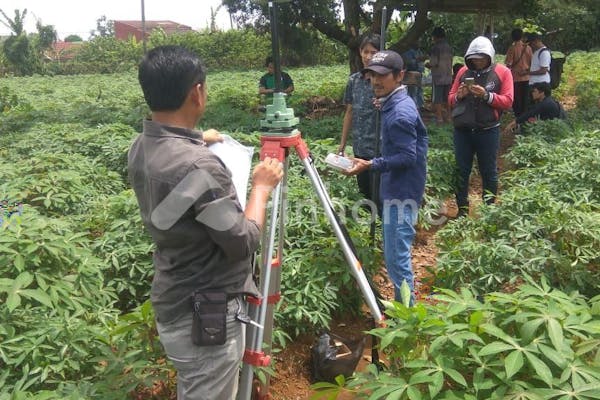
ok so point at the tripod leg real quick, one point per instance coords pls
(262, 310)
(341, 234)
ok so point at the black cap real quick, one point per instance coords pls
(384, 62)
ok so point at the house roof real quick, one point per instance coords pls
(65, 46)
(62, 50)
(150, 25)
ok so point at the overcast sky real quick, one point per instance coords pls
(78, 17)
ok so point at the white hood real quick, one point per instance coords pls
(480, 45)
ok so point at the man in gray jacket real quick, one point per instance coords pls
(203, 239)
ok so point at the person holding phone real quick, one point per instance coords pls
(481, 91)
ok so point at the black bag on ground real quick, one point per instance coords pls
(332, 355)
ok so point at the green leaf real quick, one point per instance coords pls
(405, 293)
(555, 332)
(389, 338)
(529, 328)
(395, 395)
(475, 318)
(413, 393)
(540, 368)
(495, 348)
(38, 295)
(13, 301)
(420, 377)
(456, 376)
(23, 280)
(513, 363)
(499, 333)
(591, 390)
(398, 389)
(19, 262)
(556, 357)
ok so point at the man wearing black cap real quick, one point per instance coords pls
(402, 164)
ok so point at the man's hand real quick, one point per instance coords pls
(510, 128)
(462, 92)
(211, 136)
(477, 91)
(265, 177)
(267, 174)
(377, 103)
(359, 166)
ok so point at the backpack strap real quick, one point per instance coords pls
(542, 50)
(521, 56)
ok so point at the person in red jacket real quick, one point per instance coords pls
(481, 91)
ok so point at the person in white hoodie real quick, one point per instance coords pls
(481, 91)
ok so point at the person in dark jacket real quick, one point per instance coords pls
(204, 240)
(481, 90)
(545, 107)
(402, 165)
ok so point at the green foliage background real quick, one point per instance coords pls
(75, 268)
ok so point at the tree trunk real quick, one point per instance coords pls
(421, 25)
(352, 26)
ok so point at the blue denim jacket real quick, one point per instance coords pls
(404, 143)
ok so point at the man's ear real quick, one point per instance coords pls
(400, 76)
(197, 93)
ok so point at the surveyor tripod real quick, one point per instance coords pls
(277, 143)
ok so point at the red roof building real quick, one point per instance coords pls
(62, 51)
(126, 29)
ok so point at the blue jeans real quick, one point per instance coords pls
(484, 144)
(205, 372)
(398, 235)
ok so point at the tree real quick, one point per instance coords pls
(16, 25)
(46, 36)
(104, 28)
(326, 17)
(73, 38)
(16, 48)
(346, 20)
(25, 52)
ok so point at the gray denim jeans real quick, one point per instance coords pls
(205, 372)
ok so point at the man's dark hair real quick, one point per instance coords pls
(543, 87)
(516, 34)
(268, 61)
(531, 36)
(166, 75)
(438, 32)
(373, 39)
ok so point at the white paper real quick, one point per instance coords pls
(238, 158)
